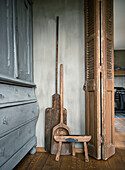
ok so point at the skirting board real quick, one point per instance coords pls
(41, 149)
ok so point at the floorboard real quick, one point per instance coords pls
(46, 161)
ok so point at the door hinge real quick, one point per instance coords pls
(85, 86)
(102, 139)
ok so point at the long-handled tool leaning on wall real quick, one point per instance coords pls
(61, 129)
(52, 115)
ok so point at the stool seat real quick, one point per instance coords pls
(73, 139)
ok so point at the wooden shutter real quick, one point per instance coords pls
(92, 76)
(107, 59)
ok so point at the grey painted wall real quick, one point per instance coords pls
(119, 81)
(119, 24)
(71, 54)
(119, 34)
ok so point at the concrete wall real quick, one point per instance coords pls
(119, 81)
(119, 24)
(119, 35)
(71, 54)
(119, 58)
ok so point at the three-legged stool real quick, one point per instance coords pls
(72, 139)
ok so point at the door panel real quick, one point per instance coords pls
(107, 57)
(92, 76)
(24, 39)
(6, 53)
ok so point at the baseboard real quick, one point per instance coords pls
(41, 149)
(79, 150)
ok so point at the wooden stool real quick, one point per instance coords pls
(72, 139)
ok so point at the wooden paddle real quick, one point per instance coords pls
(52, 115)
(61, 129)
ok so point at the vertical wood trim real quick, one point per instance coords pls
(97, 76)
(28, 40)
(108, 82)
(31, 40)
(15, 42)
(8, 31)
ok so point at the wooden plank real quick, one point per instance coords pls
(68, 163)
(26, 161)
(81, 164)
(38, 161)
(51, 163)
(100, 165)
(116, 162)
(71, 138)
(119, 132)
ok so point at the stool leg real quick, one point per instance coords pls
(86, 152)
(73, 148)
(58, 151)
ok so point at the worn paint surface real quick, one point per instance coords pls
(18, 107)
(71, 54)
(71, 140)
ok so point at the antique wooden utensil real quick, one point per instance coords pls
(73, 139)
(52, 114)
(61, 129)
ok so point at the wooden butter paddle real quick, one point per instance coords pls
(52, 114)
(61, 129)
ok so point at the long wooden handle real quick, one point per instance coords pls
(57, 32)
(61, 93)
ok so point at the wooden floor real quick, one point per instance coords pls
(46, 161)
